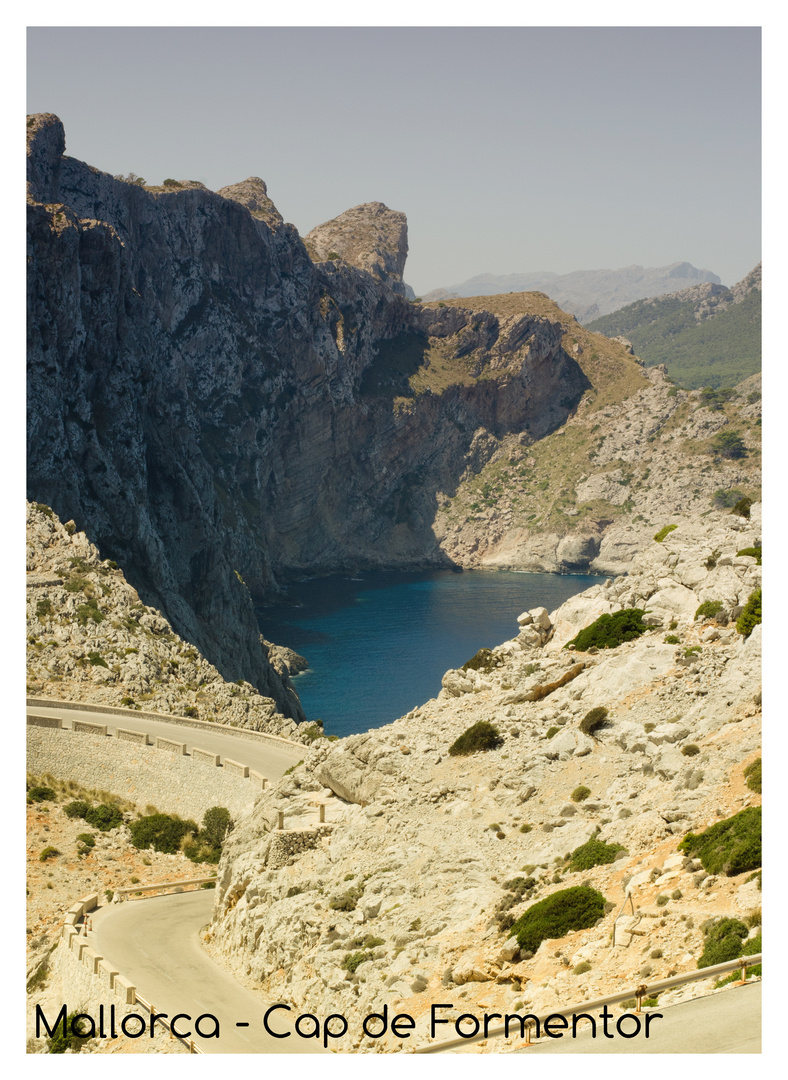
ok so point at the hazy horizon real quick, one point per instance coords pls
(511, 150)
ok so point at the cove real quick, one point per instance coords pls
(379, 643)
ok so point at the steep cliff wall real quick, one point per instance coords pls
(218, 411)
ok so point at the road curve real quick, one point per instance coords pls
(271, 759)
(155, 943)
(724, 1023)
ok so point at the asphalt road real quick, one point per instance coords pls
(267, 757)
(155, 943)
(725, 1023)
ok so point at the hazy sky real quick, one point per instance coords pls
(509, 149)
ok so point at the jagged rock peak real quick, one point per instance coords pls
(747, 284)
(370, 237)
(46, 144)
(253, 194)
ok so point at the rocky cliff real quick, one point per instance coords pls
(218, 411)
(406, 896)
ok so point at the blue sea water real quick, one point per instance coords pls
(378, 644)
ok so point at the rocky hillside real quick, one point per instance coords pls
(217, 411)
(587, 294)
(636, 451)
(90, 638)
(408, 895)
(706, 335)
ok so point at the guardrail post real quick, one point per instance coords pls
(281, 819)
(322, 812)
(743, 966)
(528, 1027)
(640, 993)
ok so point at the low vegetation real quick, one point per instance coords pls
(660, 536)
(610, 631)
(485, 661)
(729, 847)
(593, 853)
(708, 609)
(752, 774)
(725, 940)
(557, 915)
(593, 719)
(751, 616)
(480, 736)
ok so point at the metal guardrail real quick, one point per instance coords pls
(186, 1040)
(175, 886)
(639, 993)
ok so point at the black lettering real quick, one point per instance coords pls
(211, 1034)
(275, 1034)
(459, 1020)
(405, 1021)
(328, 1033)
(529, 1018)
(652, 1016)
(606, 1015)
(308, 1034)
(157, 1018)
(174, 1030)
(383, 1017)
(559, 1021)
(488, 1018)
(435, 1019)
(628, 1016)
(132, 1034)
(41, 1019)
(583, 1016)
(76, 1030)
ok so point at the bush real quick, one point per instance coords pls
(581, 968)
(731, 847)
(346, 901)
(39, 793)
(663, 532)
(742, 507)
(191, 710)
(519, 885)
(593, 719)
(725, 500)
(104, 817)
(97, 660)
(671, 639)
(752, 774)
(708, 609)
(355, 960)
(78, 808)
(162, 832)
(728, 445)
(485, 661)
(207, 845)
(751, 616)
(557, 915)
(481, 736)
(48, 853)
(58, 1043)
(580, 793)
(609, 631)
(690, 750)
(593, 853)
(723, 941)
(88, 839)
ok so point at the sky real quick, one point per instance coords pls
(510, 149)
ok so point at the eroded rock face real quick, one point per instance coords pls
(370, 237)
(218, 412)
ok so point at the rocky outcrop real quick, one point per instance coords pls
(218, 412)
(401, 902)
(370, 237)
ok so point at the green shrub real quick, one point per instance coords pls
(519, 885)
(191, 710)
(346, 901)
(671, 639)
(725, 500)
(723, 941)
(730, 847)
(752, 774)
(581, 968)
(48, 853)
(557, 915)
(207, 845)
(78, 808)
(88, 839)
(754, 551)
(751, 616)
(162, 832)
(40, 793)
(663, 532)
(609, 631)
(690, 750)
(593, 853)
(89, 610)
(97, 660)
(525, 828)
(104, 817)
(593, 719)
(742, 507)
(355, 960)
(580, 793)
(43, 608)
(485, 661)
(552, 731)
(728, 445)
(708, 609)
(481, 736)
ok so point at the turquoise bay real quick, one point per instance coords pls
(379, 643)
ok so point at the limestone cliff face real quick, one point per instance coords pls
(217, 411)
(370, 237)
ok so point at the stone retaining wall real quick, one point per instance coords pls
(174, 784)
(288, 844)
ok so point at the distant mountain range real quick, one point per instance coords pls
(707, 335)
(586, 294)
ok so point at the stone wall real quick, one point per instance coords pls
(288, 844)
(172, 783)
